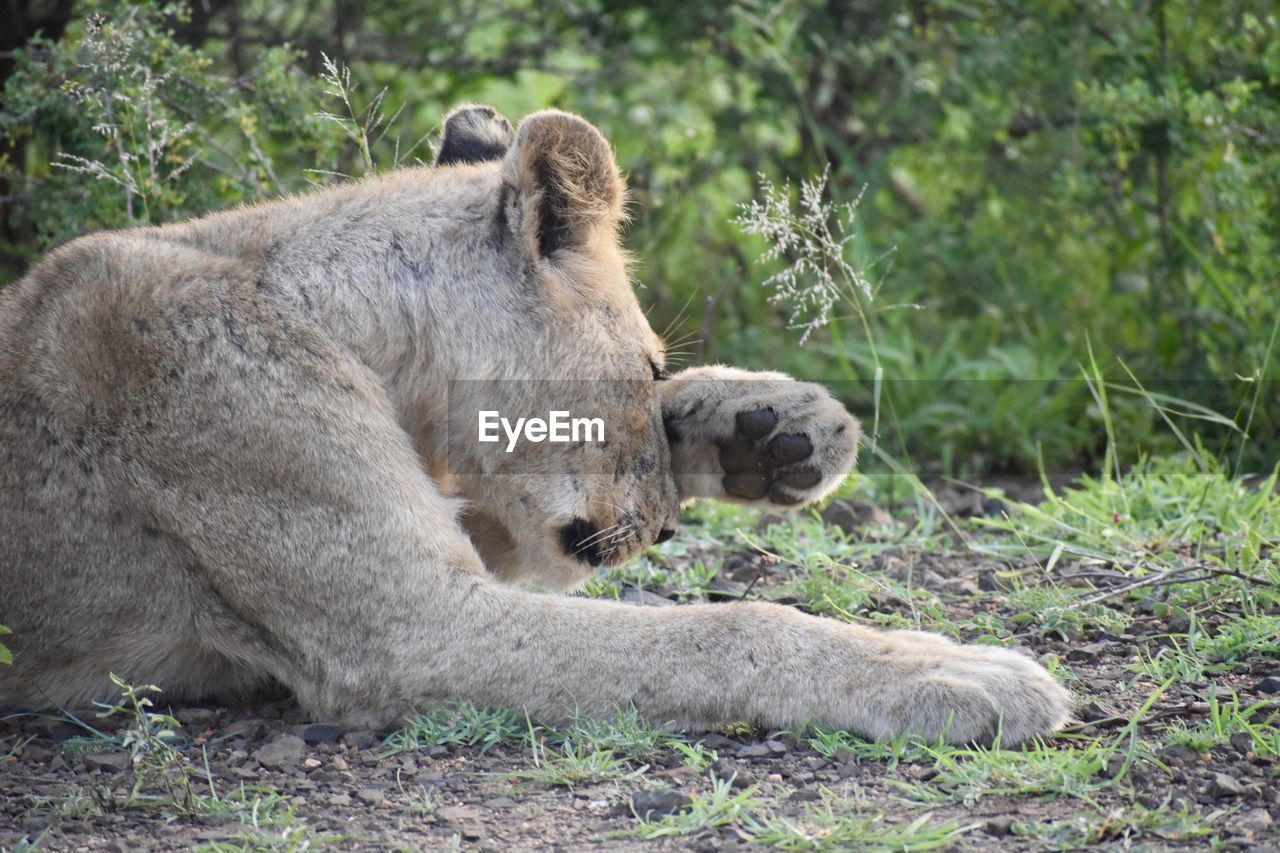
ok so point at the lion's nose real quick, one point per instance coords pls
(664, 534)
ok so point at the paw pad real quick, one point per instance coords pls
(755, 467)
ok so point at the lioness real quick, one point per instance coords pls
(227, 461)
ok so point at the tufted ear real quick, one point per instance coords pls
(565, 189)
(473, 134)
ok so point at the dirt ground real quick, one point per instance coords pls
(313, 783)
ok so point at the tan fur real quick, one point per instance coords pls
(232, 453)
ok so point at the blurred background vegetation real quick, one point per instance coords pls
(1070, 209)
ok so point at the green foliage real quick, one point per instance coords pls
(6, 657)
(1047, 177)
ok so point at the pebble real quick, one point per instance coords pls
(1252, 822)
(371, 796)
(364, 739)
(648, 805)
(196, 717)
(1223, 785)
(1179, 754)
(999, 826)
(1268, 686)
(283, 752)
(115, 762)
(500, 803)
(718, 742)
(321, 733)
(1242, 743)
(754, 750)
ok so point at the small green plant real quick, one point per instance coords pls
(575, 762)
(6, 657)
(833, 825)
(715, 806)
(460, 725)
(155, 761)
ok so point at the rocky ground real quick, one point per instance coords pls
(1159, 758)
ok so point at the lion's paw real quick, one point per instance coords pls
(758, 437)
(976, 694)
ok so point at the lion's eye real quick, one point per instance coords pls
(658, 373)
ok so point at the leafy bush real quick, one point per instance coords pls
(1064, 186)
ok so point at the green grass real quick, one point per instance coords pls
(1169, 539)
(713, 806)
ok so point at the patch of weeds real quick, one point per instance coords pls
(684, 581)
(420, 802)
(459, 725)
(76, 804)
(714, 807)
(968, 775)
(575, 762)
(286, 839)
(628, 734)
(902, 749)
(252, 805)
(1054, 610)
(833, 825)
(157, 764)
(847, 593)
(1260, 722)
(696, 755)
(1123, 825)
(1243, 641)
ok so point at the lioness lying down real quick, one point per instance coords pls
(227, 460)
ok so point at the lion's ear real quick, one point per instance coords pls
(473, 134)
(567, 189)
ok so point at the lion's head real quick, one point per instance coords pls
(558, 330)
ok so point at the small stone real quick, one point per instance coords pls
(1242, 742)
(1097, 710)
(1268, 686)
(114, 762)
(1088, 653)
(364, 739)
(989, 582)
(459, 814)
(774, 777)
(196, 718)
(321, 733)
(1222, 785)
(755, 750)
(311, 763)
(719, 742)
(1250, 823)
(371, 796)
(250, 730)
(999, 826)
(854, 516)
(500, 803)
(340, 800)
(776, 747)
(1177, 753)
(281, 753)
(648, 805)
